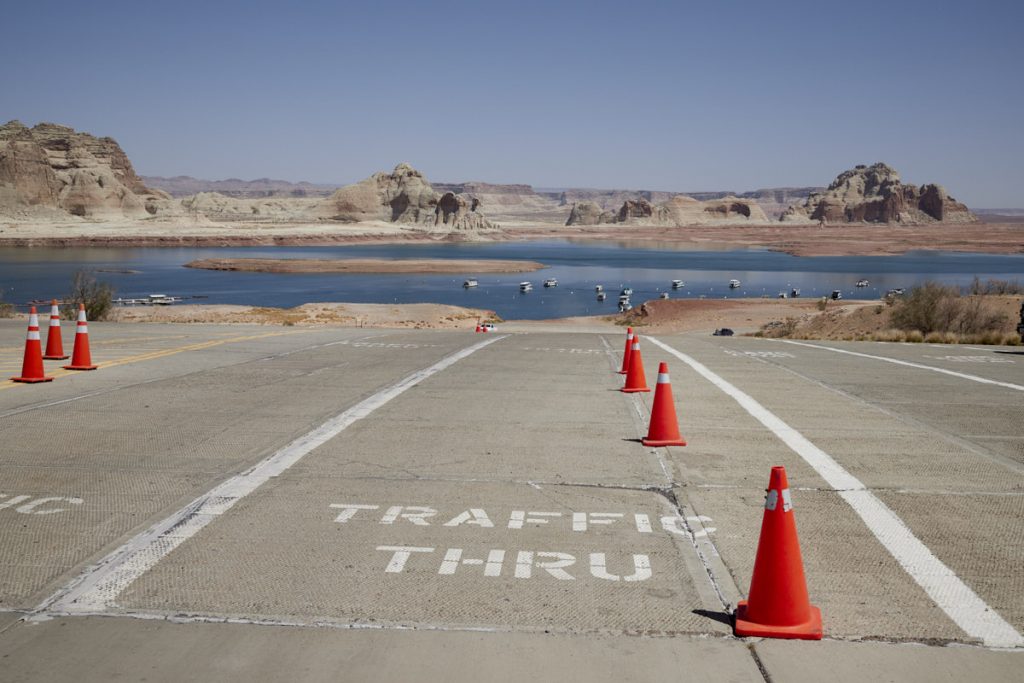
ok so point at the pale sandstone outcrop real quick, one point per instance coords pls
(875, 194)
(679, 210)
(57, 167)
(404, 196)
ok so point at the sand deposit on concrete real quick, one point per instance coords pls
(366, 265)
(418, 316)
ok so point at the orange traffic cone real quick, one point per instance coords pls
(478, 328)
(80, 357)
(629, 350)
(54, 345)
(664, 427)
(778, 606)
(635, 377)
(32, 365)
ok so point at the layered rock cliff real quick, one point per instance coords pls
(678, 211)
(57, 167)
(404, 196)
(875, 194)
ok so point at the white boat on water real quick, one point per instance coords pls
(678, 284)
(601, 296)
(734, 284)
(663, 295)
(599, 288)
(525, 287)
(626, 291)
(551, 282)
(471, 282)
(863, 282)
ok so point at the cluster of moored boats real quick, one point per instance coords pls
(151, 300)
(624, 295)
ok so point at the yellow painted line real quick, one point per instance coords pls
(163, 353)
(102, 342)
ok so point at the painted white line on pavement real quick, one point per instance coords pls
(942, 585)
(96, 588)
(961, 375)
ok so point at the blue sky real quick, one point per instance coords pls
(683, 96)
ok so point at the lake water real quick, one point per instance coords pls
(42, 273)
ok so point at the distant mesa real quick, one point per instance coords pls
(875, 194)
(55, 167)
(404, 196)
(677, 211)
(260, 188)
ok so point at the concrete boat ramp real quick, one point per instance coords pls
(262, 503)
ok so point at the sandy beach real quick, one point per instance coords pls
(367, 265)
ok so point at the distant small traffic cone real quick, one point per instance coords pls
(80, 357)
(664, 427)
(32, 365)
(636, 380)
(778, 606)
(54, 345)
(629, 350)
(478, 328)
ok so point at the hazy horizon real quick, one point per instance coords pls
(657, 96)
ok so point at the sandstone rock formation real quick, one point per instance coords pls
(55, 166)
(585, 213)
(458, 212)
(875, 194)
(404, 196)
(678, 211)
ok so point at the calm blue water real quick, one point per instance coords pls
(43, 273)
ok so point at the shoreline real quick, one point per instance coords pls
(662, 315)
(796, 240)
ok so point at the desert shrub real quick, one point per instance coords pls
(1012, 339)
(914, 337)
(996, 286)
(823, 304)
(932, 307)
(97, 296)
(6, 309)
(935, 337)
(779, 328)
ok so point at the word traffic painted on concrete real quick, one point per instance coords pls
(31, 505)
(551, 563)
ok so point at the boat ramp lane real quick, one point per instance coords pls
(485, 555)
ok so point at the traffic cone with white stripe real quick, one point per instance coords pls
(629, 349)
(32, 364)
(54, 345)
(81, 359)
(636, 379)
(664, 427)
(777, 605)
